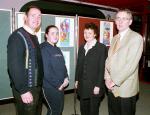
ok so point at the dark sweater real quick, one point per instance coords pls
(54, 65)
(23, 79)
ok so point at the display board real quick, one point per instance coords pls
(66, 25)
(67, 44)
(106, 29)
(70, 33)
(81, 23)
(5, 30)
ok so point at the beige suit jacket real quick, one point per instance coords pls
(123, 64)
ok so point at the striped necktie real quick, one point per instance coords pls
(117, 44)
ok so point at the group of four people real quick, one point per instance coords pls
(38, 70)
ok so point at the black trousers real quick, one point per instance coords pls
(121, 106)
(90, 106)
(54, 99)
(34, 108)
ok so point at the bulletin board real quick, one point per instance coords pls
(67, 44)
(106, 29)
(81, 22)
(71, 36)
(5, 30)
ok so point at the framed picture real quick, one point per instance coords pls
(106, 32)
(66, 31)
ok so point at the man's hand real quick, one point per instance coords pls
(109, 84)
(27, 97)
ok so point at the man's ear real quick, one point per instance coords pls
(25, 18)
(130, 22)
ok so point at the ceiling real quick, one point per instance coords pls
(135, 5)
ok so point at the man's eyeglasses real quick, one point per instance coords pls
(122, 19)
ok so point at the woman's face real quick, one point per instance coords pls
(53, 35)
(89, 35)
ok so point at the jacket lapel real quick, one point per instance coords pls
(91, 50)
(123, 42)
(111, 50)
(125, 39)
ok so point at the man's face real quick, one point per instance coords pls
(33, 18)
(123, 21)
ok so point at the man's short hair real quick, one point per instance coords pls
(129, 12)
(30, 7)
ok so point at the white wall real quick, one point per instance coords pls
(110, 14)
(9, 4)
(17, 4)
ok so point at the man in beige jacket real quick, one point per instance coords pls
(121, 69)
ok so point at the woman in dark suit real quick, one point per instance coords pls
(89, 78)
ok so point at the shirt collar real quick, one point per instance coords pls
(29, 29)
(122, 34)
(89, 46)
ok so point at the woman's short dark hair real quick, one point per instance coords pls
(93, 26)
(47, 30)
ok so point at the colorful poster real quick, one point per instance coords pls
(66, 31)
(106, 32)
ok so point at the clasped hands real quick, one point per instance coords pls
(109, 84)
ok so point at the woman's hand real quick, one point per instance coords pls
(96, 90)
(65, 83)
(76, 84)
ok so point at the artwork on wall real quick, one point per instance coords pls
(106, 32)
(66, 55)
(20, 23)
(66, 31)
(20, 19)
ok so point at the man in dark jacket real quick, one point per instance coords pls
(25, 65)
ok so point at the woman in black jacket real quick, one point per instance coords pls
(89, 78)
